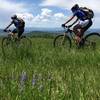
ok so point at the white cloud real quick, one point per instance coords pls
(46, 12)
(43, 16)
(26, 16)
(6, 5)
(93, 4)
(9, 8)
(59, 16)
(47, 18)
(67, 4)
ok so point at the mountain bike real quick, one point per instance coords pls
(11, 43)
(91, 40)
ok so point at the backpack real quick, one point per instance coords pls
(89, 12)
(22, 23)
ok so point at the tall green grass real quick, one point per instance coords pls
(43, 72)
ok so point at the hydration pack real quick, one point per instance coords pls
(89, 12)
(21, 23)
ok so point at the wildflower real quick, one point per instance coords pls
(34, 79)
(23, 78)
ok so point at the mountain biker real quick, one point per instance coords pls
(84, 22)
(18, 23)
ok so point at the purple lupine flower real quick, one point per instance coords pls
(23, 78)
(34, 79)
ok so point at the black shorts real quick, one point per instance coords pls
(19, 31)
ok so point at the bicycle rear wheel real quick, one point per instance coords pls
(92, 41)
(62, 41)
(25, 42)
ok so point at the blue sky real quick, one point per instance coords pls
(44, 13)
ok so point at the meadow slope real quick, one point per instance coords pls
(43, 72)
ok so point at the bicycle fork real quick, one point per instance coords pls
(63, 40)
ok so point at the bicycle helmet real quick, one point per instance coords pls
(14, 17)
(75, 7)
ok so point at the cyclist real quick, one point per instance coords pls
(85, 21)
(18, 23)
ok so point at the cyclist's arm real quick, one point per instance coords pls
(8, 25)
(74, 22)
(70, 19)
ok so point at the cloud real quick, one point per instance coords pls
(42, 16)
(45, 15)
(40, 20)
(47, 18)
(67, 4)
(26, 16)
(58, 16)
(46, 12)
(93, 4)
(11, 6)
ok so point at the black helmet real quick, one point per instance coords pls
(14, 17)
(75, 7)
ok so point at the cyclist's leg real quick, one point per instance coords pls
(85, 28)
(88, 25)
(14, 31)
(77, 31)
(81, 28)
(20, 32)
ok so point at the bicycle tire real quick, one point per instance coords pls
(4, 45)
(26, 41)
(67, 39)
(92, 39)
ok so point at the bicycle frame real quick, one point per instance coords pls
(70, 36)
(71, 33)
(11, 35)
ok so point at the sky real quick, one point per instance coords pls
(44, 13)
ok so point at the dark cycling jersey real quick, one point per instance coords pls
(18, 23)
(80, 14)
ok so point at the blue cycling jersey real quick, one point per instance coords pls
(16, 23)
(80, 14)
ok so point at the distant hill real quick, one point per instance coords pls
(46, 31)
(2, 33)
(50, 30)
(1, 30)
(54, 30)
(95, 30)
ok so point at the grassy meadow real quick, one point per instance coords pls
(42, 72)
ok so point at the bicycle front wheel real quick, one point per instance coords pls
(92, 41)
(62, 41)
(7, 46)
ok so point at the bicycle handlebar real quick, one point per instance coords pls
(7, 31)
(68, 27)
